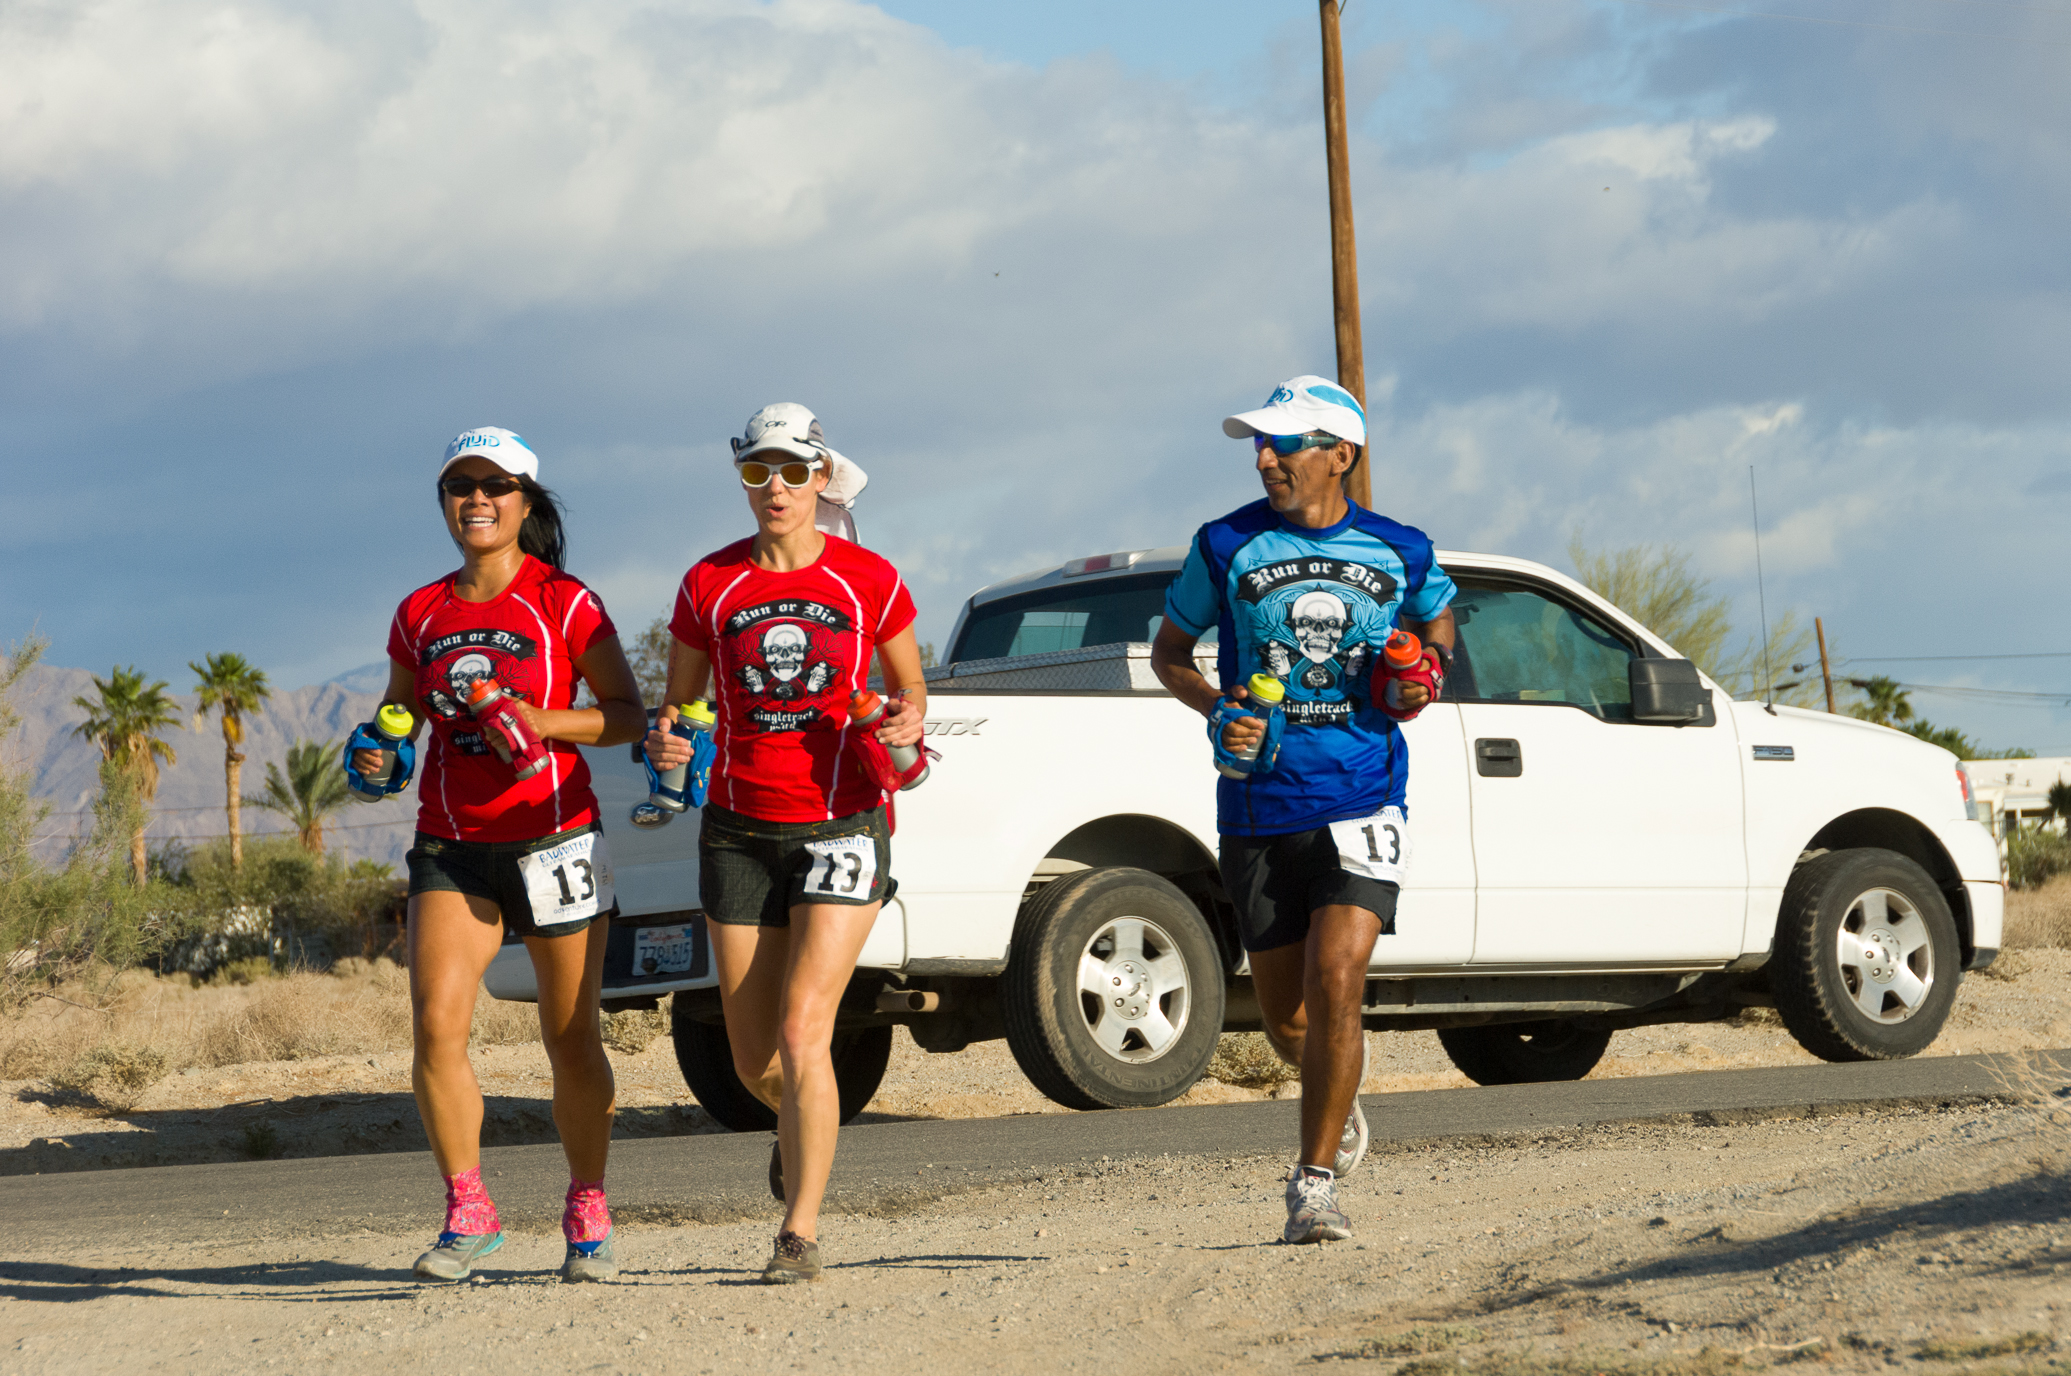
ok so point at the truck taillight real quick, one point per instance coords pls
(1102, 563)
(1963, 783)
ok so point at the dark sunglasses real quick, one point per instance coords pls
(1286, 446)
(491, 488)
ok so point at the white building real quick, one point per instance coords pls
(2012, 793)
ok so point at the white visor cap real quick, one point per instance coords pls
(501, 447)
(1299, 405)
(788, 428)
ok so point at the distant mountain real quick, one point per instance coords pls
(368, 678)
(66, 767)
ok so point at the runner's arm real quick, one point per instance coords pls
(906, 690)
(618, 715)
(1439, 634)
(690, 674)
(1172, 660)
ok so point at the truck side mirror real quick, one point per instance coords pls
(1667, 692)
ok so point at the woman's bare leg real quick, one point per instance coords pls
(452, 939)
(570, 972)
(751, 963)
(826, 938)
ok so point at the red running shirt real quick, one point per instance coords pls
(787, 649)
(527, 638)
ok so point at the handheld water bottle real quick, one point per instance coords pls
(671, 790)
(1402, 651)
(866, 712)
(505, 730)
(390, 732)
(1266, 693)
(391, 727)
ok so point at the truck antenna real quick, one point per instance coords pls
(1761, 598)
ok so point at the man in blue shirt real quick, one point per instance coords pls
(1306, 587)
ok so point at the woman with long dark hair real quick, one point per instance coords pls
(508, 835)
(795, 854)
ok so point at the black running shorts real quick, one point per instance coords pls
(751, 873)
(1277, 882)
(489, 869)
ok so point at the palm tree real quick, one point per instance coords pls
(1889, 704)
(309, 792)
(124, 723)
(236, 689)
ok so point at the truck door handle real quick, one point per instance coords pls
(1497, 758)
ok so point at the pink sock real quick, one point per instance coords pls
(587, 1218)
(468, 1210)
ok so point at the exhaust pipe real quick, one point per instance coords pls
(908, 1001)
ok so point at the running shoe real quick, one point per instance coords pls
(591, 1261)
(794, 1259)
(1353, 1142)
(1312, 1208)
(454, 1255)
(776, 1170)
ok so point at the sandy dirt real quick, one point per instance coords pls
(324, 1105)
(1863, 1242)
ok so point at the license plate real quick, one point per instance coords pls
(661, 950)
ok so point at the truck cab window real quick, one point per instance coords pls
(1519, 645)
(1070, 616)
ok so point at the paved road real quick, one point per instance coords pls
(710, 1178)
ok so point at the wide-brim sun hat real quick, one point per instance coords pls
(501, 447)
(785, 427)
(1300, 405)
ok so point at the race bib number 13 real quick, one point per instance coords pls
(843, 867)
(1376, 846)
(569, 881)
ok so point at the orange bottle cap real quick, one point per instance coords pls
(862, 703)
(1402, 650)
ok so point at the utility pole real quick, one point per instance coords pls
(1826, 670)
(1344, 253)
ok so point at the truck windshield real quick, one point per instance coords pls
(1107, 611)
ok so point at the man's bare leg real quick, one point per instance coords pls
(1310, 993)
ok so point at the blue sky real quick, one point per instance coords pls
(264, 256)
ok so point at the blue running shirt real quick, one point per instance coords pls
(1312, 608)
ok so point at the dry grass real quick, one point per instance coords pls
(112, 1076)
(361, 1008)
(633, 1030)
(1248, 1060)
(2040, 917)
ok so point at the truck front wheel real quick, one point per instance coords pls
(1113, 994)
(705, 1057)
(1866, 960)
(1524, 1053)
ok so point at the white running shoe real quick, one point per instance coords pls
(1353, 1143)
(1312, 1208)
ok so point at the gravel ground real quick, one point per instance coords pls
(325, 1105)
(1863, 1241)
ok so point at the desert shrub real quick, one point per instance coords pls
(633, 1030)
(282, 903)
(2033, 855)
(112, 1076)
(1248, 1060)
(2039, 917)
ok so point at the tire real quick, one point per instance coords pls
(1525, 1053)
(1085, 1038)
(705, 1057)
(1866, 960)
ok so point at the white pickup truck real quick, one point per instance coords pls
(1603, 839)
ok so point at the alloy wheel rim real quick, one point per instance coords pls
(1133, 990)
(1886, 956)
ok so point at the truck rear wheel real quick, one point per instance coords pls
(1523, 1053)
(705, 1057)
(1113, 993)
(1866, 960)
